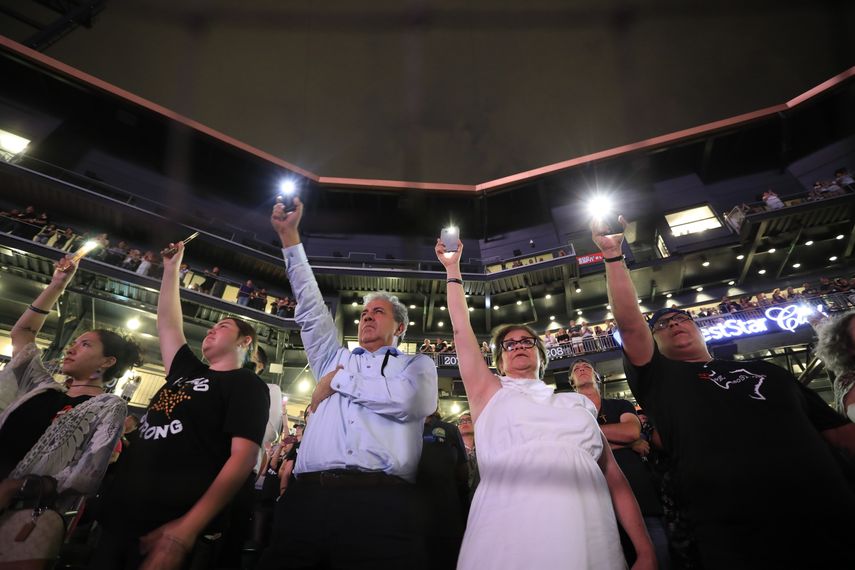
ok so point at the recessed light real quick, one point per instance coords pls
(639, 301)
(832, 258)
(706, 263)
(762, 272)
(796, 265)
(412, 306)
(412, 323)
(578, 289)
(133, 324)
(668, 295)
(772, 250)
(839, 236)
(548, 296)
(579, 312)
(354, 304)
(495, 307)
(442, 308)
(731, 282)
(608, 307)
(551, 317)
(699, 289)
(356, 321)
(809, 242)
(471, 309)
(440, 324)
(740, 257)
(519, 302)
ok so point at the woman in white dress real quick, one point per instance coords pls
(550, 487)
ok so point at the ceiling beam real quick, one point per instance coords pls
(749, 257)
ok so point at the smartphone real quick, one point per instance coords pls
(288, 202)
(612, 224)
(450, 236)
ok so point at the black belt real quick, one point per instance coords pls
(350, 478)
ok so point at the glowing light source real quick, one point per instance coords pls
(354, 304)
(495, 307)
(731, 282)
(133, 324)
(548, 296)
(356, 321)
(772, 250)
(740, 257)
(455, 408)
(699, 289)
(440, 324)
(839, 236)
(442, 308)
(304, 386)
(412, 323)
(519, 302)
(809, 242)
(668, 295)
(796, 265)
(287, 186)
(551, 317)
(832, 258)
(599, 206)
(412, 306)
(12, 143)
(762, 272)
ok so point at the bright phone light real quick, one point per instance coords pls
(599, 206)
(287, 187)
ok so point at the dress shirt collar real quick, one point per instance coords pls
(390, 349)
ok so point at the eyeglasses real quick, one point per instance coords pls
(525, 342)
(465, 421)
(663, 323)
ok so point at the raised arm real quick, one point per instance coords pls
(32, 320)
(635, 335)
(317, 327)
(170, 321)
(479, 381)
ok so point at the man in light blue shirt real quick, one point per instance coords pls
(362, 443)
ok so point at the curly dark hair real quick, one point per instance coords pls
(835, 345)
(124, 349)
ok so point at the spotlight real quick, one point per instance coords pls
(303, 386)
(13, 144)
(287, 186)
(839, 236)
(599, 206)
(133, 324)
(796, 265)
(762, 272)
(455, 408)
(440, 324)
(832, 258)
(740, 257)
(809, 242)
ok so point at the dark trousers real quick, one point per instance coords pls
(352, 527)
(116, 551)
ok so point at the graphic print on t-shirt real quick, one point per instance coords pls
(166, 401)
(737, 379)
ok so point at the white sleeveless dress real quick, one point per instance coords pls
(542, 502)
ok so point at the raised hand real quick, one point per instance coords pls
(609, 243)
(174, 261)
(287, 224)
(449, 260)
(64, 270)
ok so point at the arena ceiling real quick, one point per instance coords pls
(456, 92)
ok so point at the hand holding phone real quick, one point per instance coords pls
(449, 237)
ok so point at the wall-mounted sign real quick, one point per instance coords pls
(590, 259)
(774, 319)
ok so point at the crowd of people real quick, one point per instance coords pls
(529, 477)
(840, 184)
(29, 224)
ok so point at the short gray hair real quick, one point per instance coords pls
(399, 310)
(835, 346)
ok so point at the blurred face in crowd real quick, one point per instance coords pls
(85, 357)
(377, 326)
(582, 375)
(465, 425)
(223, 339)
(679, 338)
(519, 361)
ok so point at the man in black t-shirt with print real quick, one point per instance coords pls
(751, 465)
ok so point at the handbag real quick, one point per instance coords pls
(31, 538)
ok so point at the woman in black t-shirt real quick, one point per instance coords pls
(196, 445)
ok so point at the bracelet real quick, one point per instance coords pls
(613, 259)
(37, 310)
(454, 280)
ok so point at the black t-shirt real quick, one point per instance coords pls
(748, 461)
(637, 473)
(184, 440)
(28, 423)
